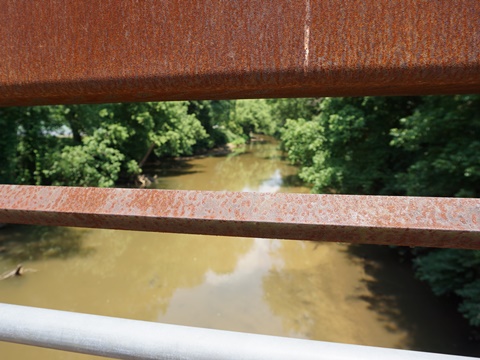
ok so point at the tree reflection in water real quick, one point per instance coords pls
(311, 292)
(20, 243)
(360, 295)
(403, 303)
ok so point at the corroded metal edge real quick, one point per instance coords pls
(69, 51)
(408, 221)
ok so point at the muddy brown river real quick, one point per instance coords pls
(323, 291)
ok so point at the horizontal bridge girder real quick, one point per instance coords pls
(69, 51)
(408, 221)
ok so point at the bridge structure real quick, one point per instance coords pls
(94, 51)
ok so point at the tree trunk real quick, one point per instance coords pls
(149, 151)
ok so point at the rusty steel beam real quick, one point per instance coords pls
(70, 51)
(411, 221)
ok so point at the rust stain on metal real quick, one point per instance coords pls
(412, 221)
(69, 51)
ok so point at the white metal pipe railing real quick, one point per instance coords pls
(133, 339)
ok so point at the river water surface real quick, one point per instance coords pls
(323, 291)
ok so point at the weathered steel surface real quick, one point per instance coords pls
(414, 221)
(70, 51)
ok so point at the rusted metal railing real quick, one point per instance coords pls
(388, 220)
(68, 51)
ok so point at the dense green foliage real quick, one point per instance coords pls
(100, 145)
(441, 142)
(8, 145)
(424, 146)
(346, 147)
(389, 145)
(97, 161)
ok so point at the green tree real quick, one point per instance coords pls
(8, 144)
(254, 116)
(97, 162)
(203, 111)
(116, 139)
(442, 141)
(39, 133)
(81, 120)
(234, 120)
(346, 147)
(92, 145)
(296, 108)
(166, 128)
